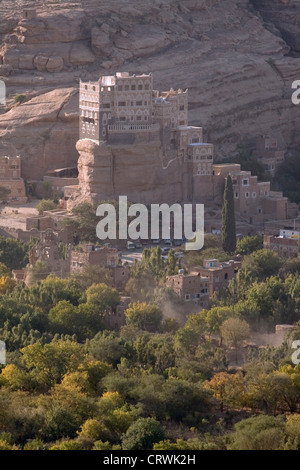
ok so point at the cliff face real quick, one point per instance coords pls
(285, 16)
(232, 57)
(106, 171)
(44, 131)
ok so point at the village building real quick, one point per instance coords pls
(253, 200)
(51, 219)
(269, 154)
(106, 257)
(89, 254)
(114, 318)
(191, 288)
(47, 250)
(10, 176)
(218, 273)
(286, 247)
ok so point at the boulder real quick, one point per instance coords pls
(55, 64)
(40, 62)
(101, 43)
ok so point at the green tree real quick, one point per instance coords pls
(235, 332)
(293, 432)
(215, 317)
(228, 218)
(171, 263)
(247, 245)
(142, 434)
(50, 362)
(262, 264)
(259, 433)
(48, 292)
(66, 318)
(13, 253)
(100, 296)
(106, 346)
(144, 316)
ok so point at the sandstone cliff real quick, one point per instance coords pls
(237, 62)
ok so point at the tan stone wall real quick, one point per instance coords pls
(17, 189)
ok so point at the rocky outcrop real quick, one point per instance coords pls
(102, 168)
(44, 131)
(285, 16)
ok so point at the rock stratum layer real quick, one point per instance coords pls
(235, 56)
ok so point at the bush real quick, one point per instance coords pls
(248, 245)
(259, 433)
(142, 434)
(46, 205)
(19, 99)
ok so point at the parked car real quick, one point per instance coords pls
(156, 241)
(138, 244)
(168, 241)
(179, 254)
(179, 242)
(165, 250)
(130, 246)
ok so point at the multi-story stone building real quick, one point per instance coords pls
(104, 257)
(10, 176)
(128, 103)
(191, 288)
(89, 254)
(268, 153)
(218, 273)
(253, 200)
(114, 318)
